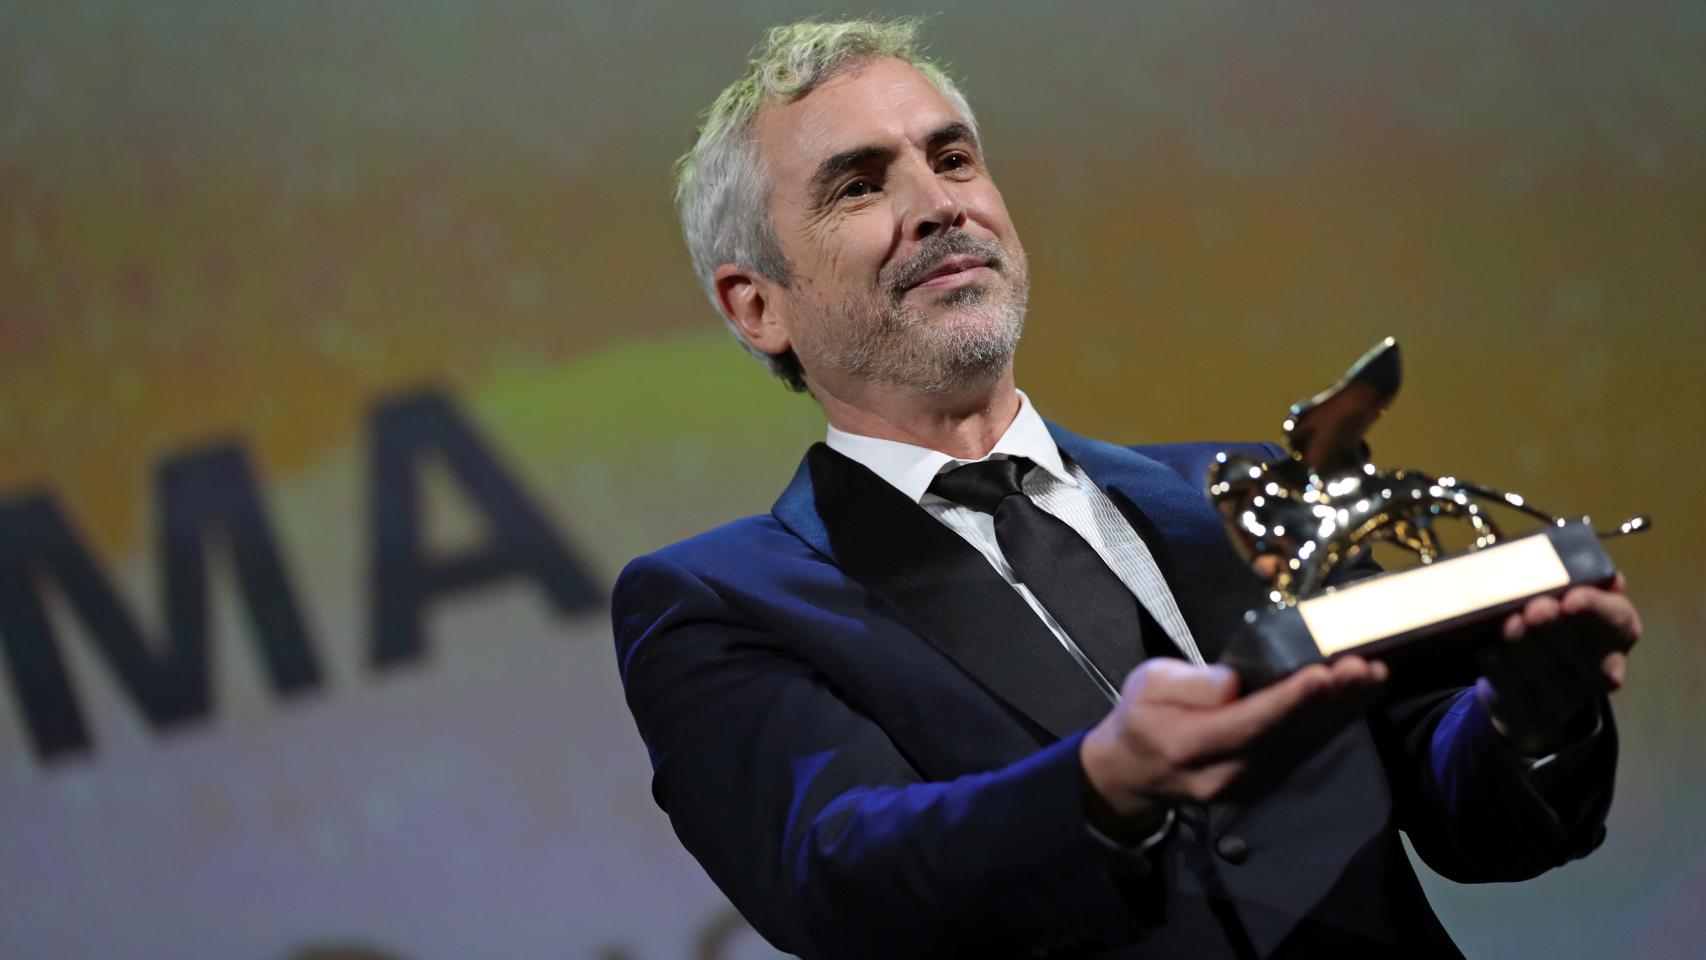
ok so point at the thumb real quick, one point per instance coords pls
(1164, 680)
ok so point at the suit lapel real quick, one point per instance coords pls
(940, 585)
(1173, 516)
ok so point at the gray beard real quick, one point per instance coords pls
(899, 347)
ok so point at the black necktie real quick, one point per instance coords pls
(1061, 570)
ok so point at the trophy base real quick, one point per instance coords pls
(1417, 619)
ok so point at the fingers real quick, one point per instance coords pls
(1377, 669)
(1571, 647)
(1615, 669)
(1332, 693)
(1273, 737)
(1538, 612)
(1359, 685)
(1607, 614)
(1181, 731)
(1610, 610)
(1596, 663)
(1559, 656)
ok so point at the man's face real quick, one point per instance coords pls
(906, 267)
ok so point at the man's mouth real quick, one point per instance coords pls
(950, 271)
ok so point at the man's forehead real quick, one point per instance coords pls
(879, 103)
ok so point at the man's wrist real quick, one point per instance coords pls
(1138, 845)
(1133, 820)
(1149, 819)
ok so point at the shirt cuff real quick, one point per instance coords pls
(1546, 774)
(1143, 847)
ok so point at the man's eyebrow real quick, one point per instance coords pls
(951, 133)
(832, 168)
(835, 165)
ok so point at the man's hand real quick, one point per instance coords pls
(1181, 733)
(1559, 657)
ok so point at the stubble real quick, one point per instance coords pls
(960, 340)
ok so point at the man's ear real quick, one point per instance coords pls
(747, 299)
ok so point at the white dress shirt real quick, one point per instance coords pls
(1057, 486)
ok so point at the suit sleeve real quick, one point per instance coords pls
(817, 828)
(1474, 809)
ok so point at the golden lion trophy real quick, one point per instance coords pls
(1300, 518)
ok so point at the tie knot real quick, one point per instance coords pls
(982, 485)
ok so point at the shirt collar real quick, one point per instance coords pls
(910, 468)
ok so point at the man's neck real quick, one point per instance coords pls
(964, 424)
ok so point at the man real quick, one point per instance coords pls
(954, 695)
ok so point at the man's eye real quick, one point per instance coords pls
(953, 161)
(858, 188)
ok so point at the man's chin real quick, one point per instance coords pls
(971, 341)
(966, 372)
(977, 314)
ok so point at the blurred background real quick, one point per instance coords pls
(347, 352)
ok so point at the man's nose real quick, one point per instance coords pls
(935, 208)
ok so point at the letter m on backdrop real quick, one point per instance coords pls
(198, 494)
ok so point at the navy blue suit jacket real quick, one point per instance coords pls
(870, 743)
